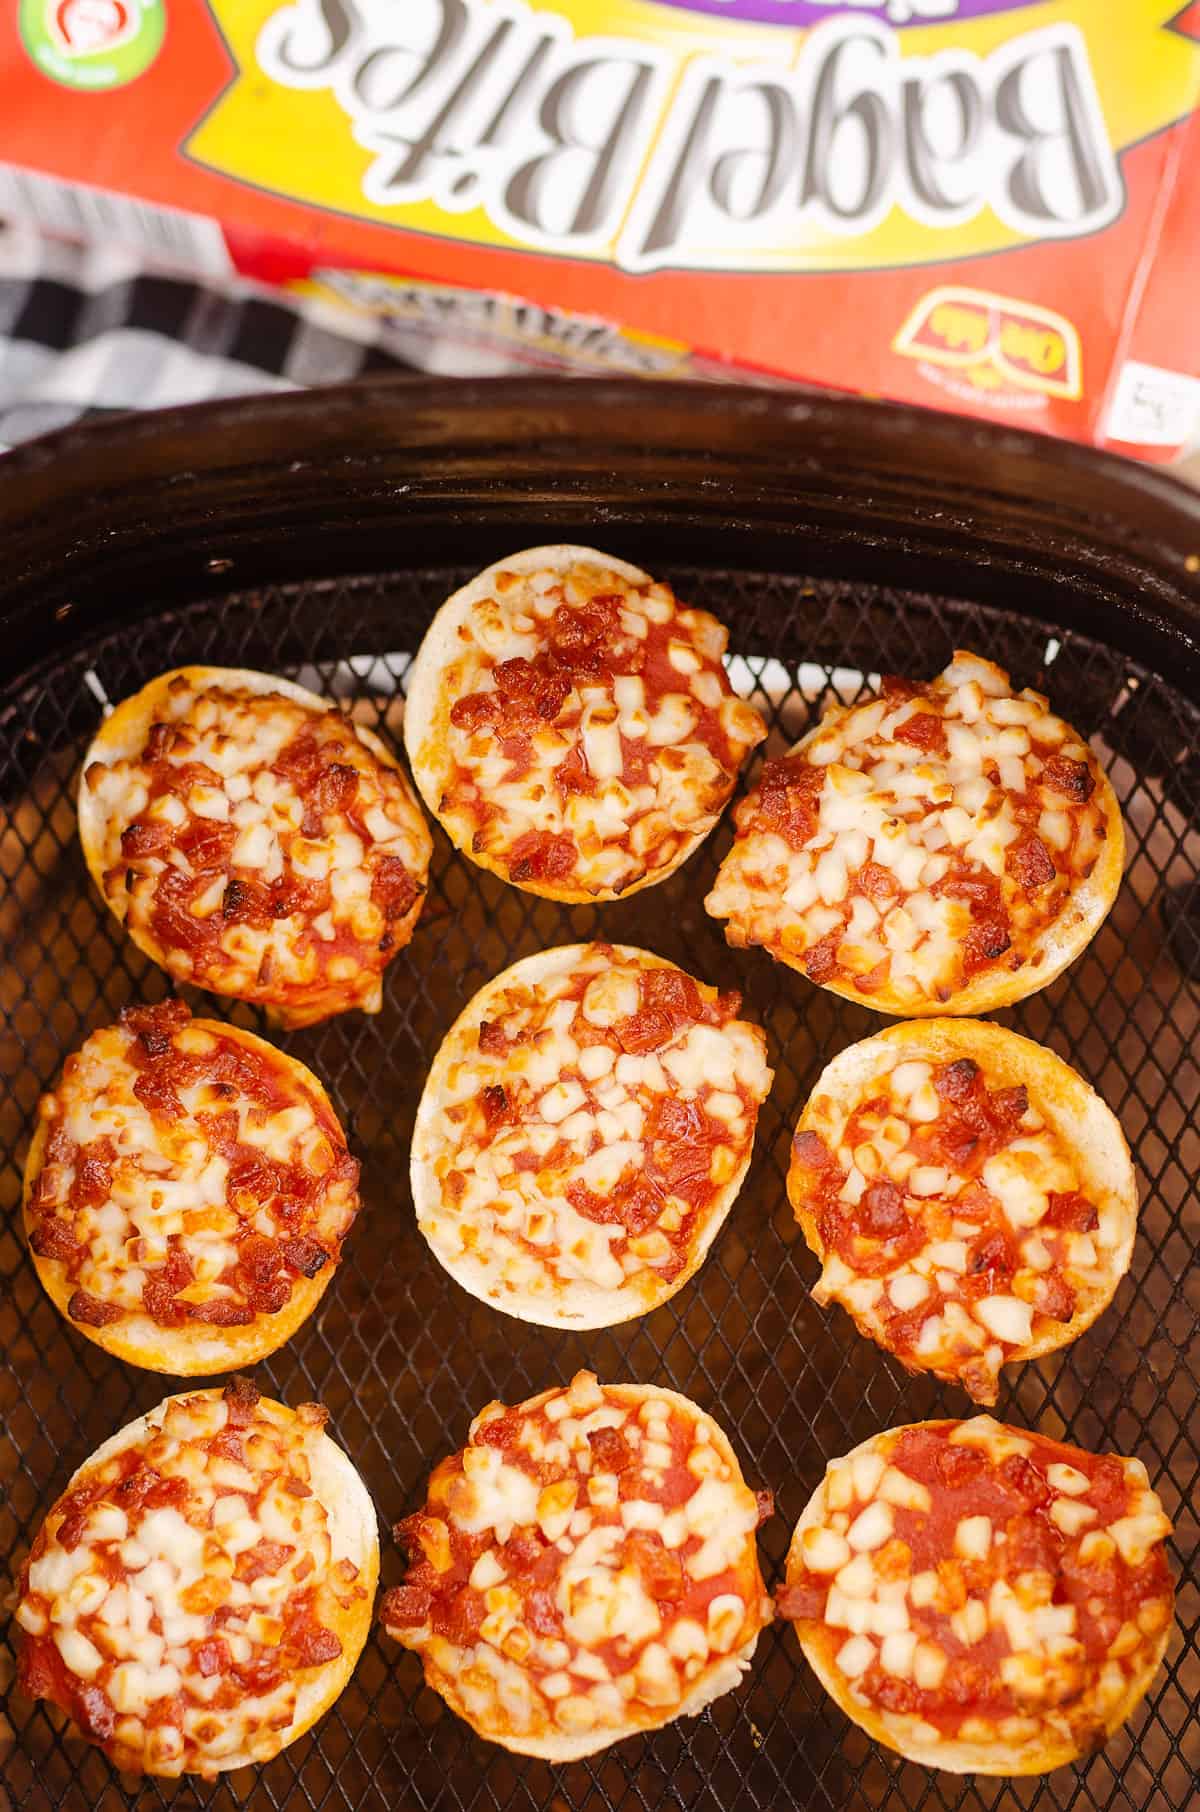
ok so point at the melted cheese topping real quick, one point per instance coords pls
(586, 1564)
(954, 1222)
(581, 1131)
(587, 732)
(263, 848)
(973, 1583)
(917, 840)
(178, 1597)
(187, 1176)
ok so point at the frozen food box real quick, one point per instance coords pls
(979, 205)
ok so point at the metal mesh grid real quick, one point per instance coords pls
(403, 1358)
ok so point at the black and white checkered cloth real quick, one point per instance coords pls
(89, 329)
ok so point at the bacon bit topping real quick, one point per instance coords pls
(160, 740)
(154, 1027)
(993, 1254)
(881, 1212)
(610, 1449)
(220, 1312)
(877, 883)
(494, 1102)
(984, 943)
(1071, 778)
(529, 694)
(1056, 1299)
(955, 1081)
(163, 1285)
(478, 708)
(633, 1204)
(393, 889)
(212, 1657)
(1031, 862)
(242, 1398)
(801, 1603)
(810, 1149)
(306, 1256)
(661, 1571)
(820, 961)
(53, 1239)
(924, 730)
(315, 1647)
(542, 856)
(1073, 1211)
(644, 1030)
(91, 1312)
(788, 799)
(264, 1557)
(94, 1714)
(145, 1488)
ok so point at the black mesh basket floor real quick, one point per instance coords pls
(403, 1358)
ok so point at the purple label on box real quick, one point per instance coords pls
(806, 13)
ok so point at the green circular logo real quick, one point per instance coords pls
(93, 44)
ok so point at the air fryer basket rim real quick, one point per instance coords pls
(100, 518)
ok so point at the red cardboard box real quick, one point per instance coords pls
(979, 204)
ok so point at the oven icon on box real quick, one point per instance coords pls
(994, 342)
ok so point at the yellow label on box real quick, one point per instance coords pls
(658, 136)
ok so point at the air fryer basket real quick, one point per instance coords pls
(314, 536)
